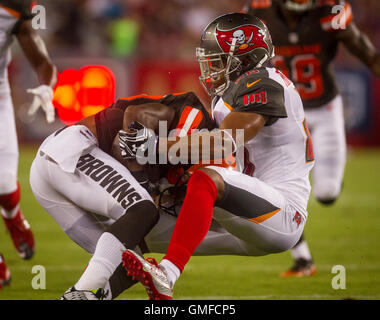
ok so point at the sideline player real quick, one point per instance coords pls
(306, 35)
(15, 22)
(85, 185)
(265, 206)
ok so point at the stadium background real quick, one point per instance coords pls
(145, 46)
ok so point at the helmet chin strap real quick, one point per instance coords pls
(228, 65)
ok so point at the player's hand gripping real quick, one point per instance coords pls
(136, 142)
(43, 96)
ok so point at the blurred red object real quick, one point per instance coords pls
(82, 93)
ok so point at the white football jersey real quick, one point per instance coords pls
(11, 12)
(7, 23)
(281, 154)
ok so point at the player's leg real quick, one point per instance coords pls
(266, 227)
(14, 220)
(257, 214)
(191, 227)
(5, 274)
(329, 143)
(102, 186)
(326, 125)
(81, 226)
(218, 241)
(128, 204)
(303, 265)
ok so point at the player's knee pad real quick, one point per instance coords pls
(10, 200)
(135, 224)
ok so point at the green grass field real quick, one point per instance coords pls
(346, 234)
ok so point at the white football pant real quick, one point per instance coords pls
(8, 141)
(86, 201)
(326, 126)
(237, 233)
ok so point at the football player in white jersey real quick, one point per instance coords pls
(15, 22)
(306, 54)
(265, 206)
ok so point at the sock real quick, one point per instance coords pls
(194, 219)
(171, 270)
(106, 258)
(301, 251)
(10, 203)
(118, 282)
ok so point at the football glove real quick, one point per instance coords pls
(137, 141)
(43, 96)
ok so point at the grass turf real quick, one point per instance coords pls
(347, 234)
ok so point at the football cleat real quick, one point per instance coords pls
(74, 294)
(301, 268)
(21, 235)
(149, 274)
(5, 274)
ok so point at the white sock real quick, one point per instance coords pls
(301, 251)
(171, 270)
(103, 263)
(11, 213)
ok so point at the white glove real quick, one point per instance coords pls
(43, 96)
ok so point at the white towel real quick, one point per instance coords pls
(69, 145)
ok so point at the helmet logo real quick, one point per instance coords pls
(248, 38)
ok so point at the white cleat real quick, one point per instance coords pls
(74, 294)
(149, 274)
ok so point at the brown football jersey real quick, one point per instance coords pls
(305, 54)
(190, 114)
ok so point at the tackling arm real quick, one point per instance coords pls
(210, 146)
(358, 44)
(36, 52)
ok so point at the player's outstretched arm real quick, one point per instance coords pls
(37, 54)
(35, 51)
(358, 44)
